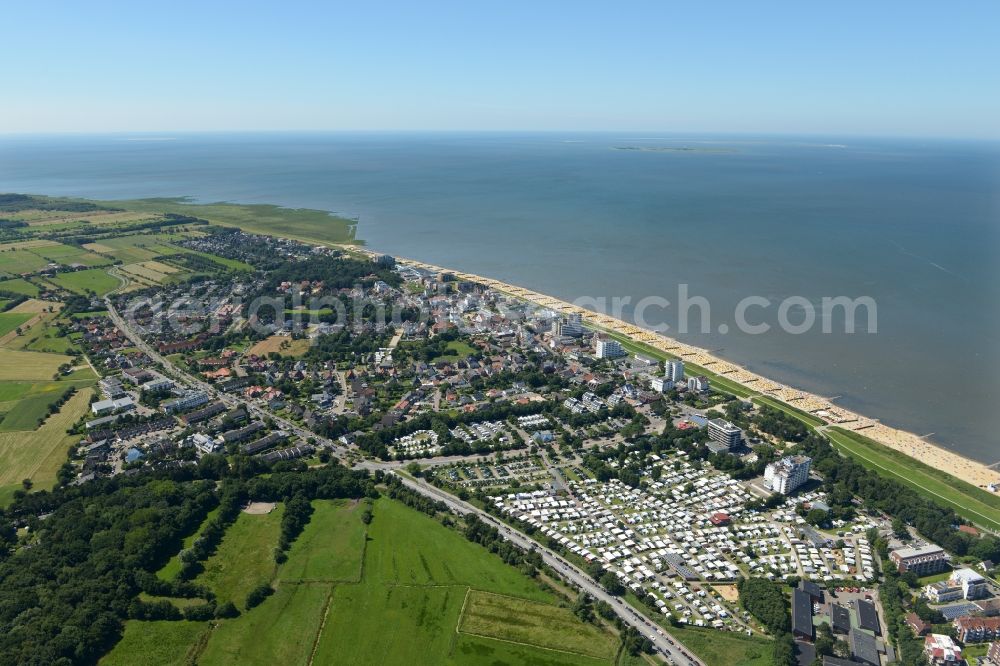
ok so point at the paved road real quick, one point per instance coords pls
(229, 400)
(664, 642)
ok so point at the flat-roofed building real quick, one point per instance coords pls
(921, 561)
(724, 432)
(786, 475)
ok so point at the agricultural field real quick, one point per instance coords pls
(163, 643)
(302, 223)
(25, 413)
(526, 622)
(153, 271)
(81, 282)
(38, 455)
(10, 321)
(69, 254)
(16, 261)
(29, 366)
(245, 558)
(19, 286)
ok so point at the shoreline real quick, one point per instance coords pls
(908, 443)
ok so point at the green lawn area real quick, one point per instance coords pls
(81, 282)
(19, 286)
(279, 631)
(968, 501)
(68, 254)
(529, 622)
(162, 643)
(245, 558)
(459, 349)
(9, 321)
(719, 648)
(331, 547)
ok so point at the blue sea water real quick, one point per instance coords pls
(915, 225)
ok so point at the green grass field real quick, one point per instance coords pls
(162, 643)
(330, 547)
(302, 223)
(719, 648)
(19, 286)
(20, 260)
(29, 366)
(9, 321)
(404, 610)
(25, 414)
(279, 631)
(38, 455)
(968, 501)
(245, 558)
(528, 622)
(92, 280)
(459, 349)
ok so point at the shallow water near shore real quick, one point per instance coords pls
(914, 225)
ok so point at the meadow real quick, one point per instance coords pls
(18, 365)
(19, 286)
(162, 643)
(10, 321)
(93, 280)
(718, 648)
(245, 557)
(526, 622)
(385, 593)
(39, 454)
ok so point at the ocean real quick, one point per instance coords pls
(912, 225)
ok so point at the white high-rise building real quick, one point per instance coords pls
(661, 384)
(787, 474)
(674, 370)
(609, 349)
(724, 432)
(571, 325)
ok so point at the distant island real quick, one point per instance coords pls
(674, 149)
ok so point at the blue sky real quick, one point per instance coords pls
(887, 67)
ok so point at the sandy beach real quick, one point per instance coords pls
(908, 443)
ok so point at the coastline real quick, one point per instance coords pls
(819, 408)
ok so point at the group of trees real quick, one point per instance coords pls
(766, 602)
(298, 510)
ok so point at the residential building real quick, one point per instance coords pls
(993, 654)
(724, 432)
(699, 384)
(570, 326)
(674, 370)
(189, 400)
(973, 585)
(786, 475)
(110, 406)
(971, 629)
(661, 384)
(921, 561)
(607, 348)
(942, 651)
